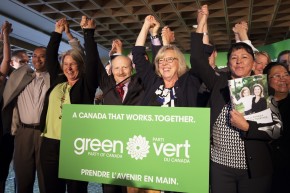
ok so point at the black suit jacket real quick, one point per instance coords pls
(111, 96)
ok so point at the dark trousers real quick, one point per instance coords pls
(108, 188)
(281, 177)
(49, 158)
(6, 153)
(27, 160)
(230, 180)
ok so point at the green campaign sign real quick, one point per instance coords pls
(149, 147)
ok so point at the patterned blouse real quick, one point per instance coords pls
(227, 146)
(164, 97)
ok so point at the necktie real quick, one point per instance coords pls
(120, 90)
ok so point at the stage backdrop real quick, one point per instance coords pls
(149, 147)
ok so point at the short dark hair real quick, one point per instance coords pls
(17, 52)
(240, 45)
(267, 70)
(282, 53)
(271, 65)
(39, 47)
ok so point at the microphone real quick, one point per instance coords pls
(101, 99)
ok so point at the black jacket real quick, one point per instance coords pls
(111, 96)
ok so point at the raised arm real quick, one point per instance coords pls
(143, 67)
(237, 37)
(117, 47)
(52, 63)
(103, 75)
(5, 31)
(241, 30)
(155, 38)
(167, 36)
(199, 61)
(202, 25)
(73, 42)
(141, 39)
(92, 55)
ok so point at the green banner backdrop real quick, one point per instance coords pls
(149, 147)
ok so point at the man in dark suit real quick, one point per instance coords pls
(121, 80)
(119, 88)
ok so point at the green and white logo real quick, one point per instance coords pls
(138, 147)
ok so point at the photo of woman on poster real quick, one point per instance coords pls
(259, 103)
(245, 100)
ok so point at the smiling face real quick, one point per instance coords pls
(246, 92)
(279, 79)
(240, 63)
(38, 59)
(168, 65)
(121, 68)
(260, 63)
(257, 90)
(70, 69)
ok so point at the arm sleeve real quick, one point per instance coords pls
(92, 61)
(143, 67)
(51, 61)
(75, 44)
(199, 62)
(250, 44)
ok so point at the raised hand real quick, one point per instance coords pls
(167, 36)
(148, 22)
(202, 15)
(67, 30)
(155, 25)
(113, 49)
(117, 47)
(87, 23)
(6, 28)
(241, 30)
(60, 25)
(244, 25)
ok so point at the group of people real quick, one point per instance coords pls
(242, 151)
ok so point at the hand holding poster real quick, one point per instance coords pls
(249, 96)
(149, 147)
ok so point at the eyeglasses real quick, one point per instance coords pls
(168, 60)
(280, 76)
